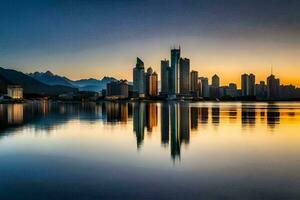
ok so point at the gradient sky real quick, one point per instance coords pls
(82, 39)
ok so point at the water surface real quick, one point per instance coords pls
(150, 151)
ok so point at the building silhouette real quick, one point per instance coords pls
(204, 87)
(174, 75)
(273, 87)
(214, 88)
(117, 89)
(139, 78)
(184, 76)
(151, 80)
(248, 85)
(165, 77)
(245, 85)
(195, 84)
(261, 90)
(251, 85)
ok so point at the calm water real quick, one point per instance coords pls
(150, 151)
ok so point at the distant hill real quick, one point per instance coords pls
(29, 84)
(91, 84)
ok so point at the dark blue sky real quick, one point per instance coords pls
(63, 35)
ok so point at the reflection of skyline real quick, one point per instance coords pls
(177, 120)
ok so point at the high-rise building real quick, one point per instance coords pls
(204, 87)
(165, 76)
(194, 83)
(252, 85)
(151, 83)
(139, 78)
(184, 76)
(245, 85)
(215, 81)
(147, 80)
(273, 85)
(174, 75)
(214, 88)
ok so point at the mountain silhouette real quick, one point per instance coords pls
(29, 84)
(90, 84)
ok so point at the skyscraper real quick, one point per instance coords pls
(147, 80)
(165, 76)
(214, 89)
(248, 85)
(139, 78)
(194, 83)
(204, 87)
(174, 75)
(184, 76)
(245, 85)
(251, 85)
(273, 85)
(153, 85)
(215, 81)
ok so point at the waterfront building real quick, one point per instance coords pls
(151, 83)
(204, 87)
(214, 88)
(245, 85)
(174, 72)
(117, 89)
(251, 85)
(15, 91)
(273, 87)
(139, 78)
(165, 77)
(261, 90)
(194, 83)
(184, 76)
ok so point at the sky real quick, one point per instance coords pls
(83, 39)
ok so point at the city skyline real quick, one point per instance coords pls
(215, 36)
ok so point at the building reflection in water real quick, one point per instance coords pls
(215, 111)
(15, 114)
(273, 115)
(195, 112)
(151, 114)
(164, 123)
(177, 119)
(180, 127)
(139, 121)
(204, 115)
(115, 112)
(248, 115)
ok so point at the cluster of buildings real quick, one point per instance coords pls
(178, 81)
(14, 92)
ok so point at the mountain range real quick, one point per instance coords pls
(90, 84)
(29, 84)
(48, 83)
